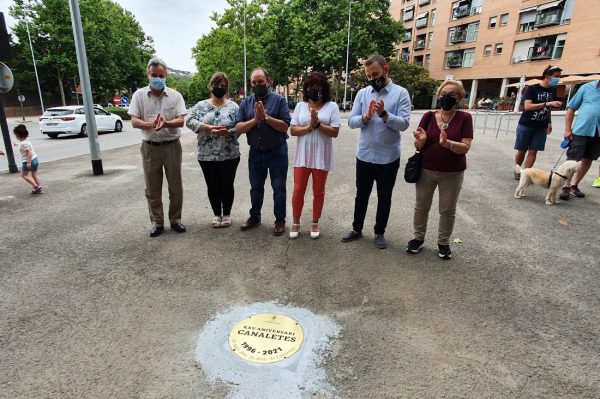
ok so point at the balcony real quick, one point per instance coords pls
(548, 18)
(540, 52)
(404, 56)
(419, 44)
(458, 37)
(407, 37)
(454, 61)
(463, 10)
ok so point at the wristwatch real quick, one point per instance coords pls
(384, 114)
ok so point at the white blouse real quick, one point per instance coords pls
(315, 149)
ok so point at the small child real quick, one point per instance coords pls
(29, 159)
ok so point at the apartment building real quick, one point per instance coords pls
(490, 44)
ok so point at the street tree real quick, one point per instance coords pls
(116, 46)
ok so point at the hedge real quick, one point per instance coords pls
(122, 112)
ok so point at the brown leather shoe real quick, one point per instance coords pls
(250, 223)
(279, 228)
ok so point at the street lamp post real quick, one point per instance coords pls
(245, 70)
(347, 53)
(84, 79)
(37, 79)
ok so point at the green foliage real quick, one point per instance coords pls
(122, 112)
(288, 37)
(117, 47)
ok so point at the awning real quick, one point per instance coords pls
(528, 9)
(422, 15)
(411, 8)
(549, 5)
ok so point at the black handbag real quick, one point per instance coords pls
(412, 170)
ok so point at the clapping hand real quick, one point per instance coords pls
(159, 123)
(367, 117)
(220, 131)
(420, 137)
(443, 138)
(379, 107)
(259, 111)
(314, 118)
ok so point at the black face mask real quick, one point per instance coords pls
(447, 102)
(315, 95)
(377, 84)
(260, 90)
(219, 92)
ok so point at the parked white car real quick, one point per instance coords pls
(71, 120)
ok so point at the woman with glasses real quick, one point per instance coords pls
(443, 138)
(213, 121)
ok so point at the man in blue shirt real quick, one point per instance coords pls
(381, 111)
(265, 118)
(584, 135)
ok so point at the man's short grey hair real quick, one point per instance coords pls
(155, 61)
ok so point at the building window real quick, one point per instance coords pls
(422, 20)
(433, 15)
(407, 36)
(504, 19)
(560, 45)
(430, 44)
(493, 21)
(427, 60)
(487, 50)
(420, 42)
(472, 31)
(498, 48)
(468, 58)
(409, 13)
(423, 2)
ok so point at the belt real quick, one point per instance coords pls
(159, 142)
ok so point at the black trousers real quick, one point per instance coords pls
(385, 177)
(219, 176)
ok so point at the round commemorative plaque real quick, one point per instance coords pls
(266, 338)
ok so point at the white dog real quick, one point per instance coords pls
(553, 181)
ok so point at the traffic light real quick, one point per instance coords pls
(4, 40)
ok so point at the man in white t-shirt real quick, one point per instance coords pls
(159, 113)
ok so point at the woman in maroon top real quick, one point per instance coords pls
(443, 137)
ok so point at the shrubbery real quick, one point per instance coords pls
(122, 112)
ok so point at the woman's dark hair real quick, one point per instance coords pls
(218, 77)
(21, 131)
(313, 79)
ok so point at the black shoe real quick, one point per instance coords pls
(380, 241)
(351, 236)
(178, 227)
(414, 246)
(156, 231)
(444, 251)
(565, 194)
(575, 191)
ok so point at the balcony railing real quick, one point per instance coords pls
(404, 56)
(407, 37)
(454, 62)
(418, 62)
(548, 18)
(458, 37)
(540, 52)
(463, 10)
(420, 44)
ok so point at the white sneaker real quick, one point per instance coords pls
(216, 222)
(226, 221)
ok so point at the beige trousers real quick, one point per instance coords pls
(449, 185)
(154, 159)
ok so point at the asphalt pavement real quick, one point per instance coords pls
(92, 307)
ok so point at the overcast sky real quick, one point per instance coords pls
(175, 25)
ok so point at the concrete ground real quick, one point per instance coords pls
(92, 307)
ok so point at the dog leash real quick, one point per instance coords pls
(559, 158)
(552, 170)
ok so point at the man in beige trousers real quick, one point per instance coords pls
(159, 113)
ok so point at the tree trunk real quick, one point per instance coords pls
(62, 91)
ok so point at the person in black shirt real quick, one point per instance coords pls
(535, 123)
(265, 118)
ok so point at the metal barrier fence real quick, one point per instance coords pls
(497, 121)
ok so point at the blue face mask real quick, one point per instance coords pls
(554, 82)
(157, 83)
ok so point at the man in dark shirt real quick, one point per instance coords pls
(535, 124)
(265, 118)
